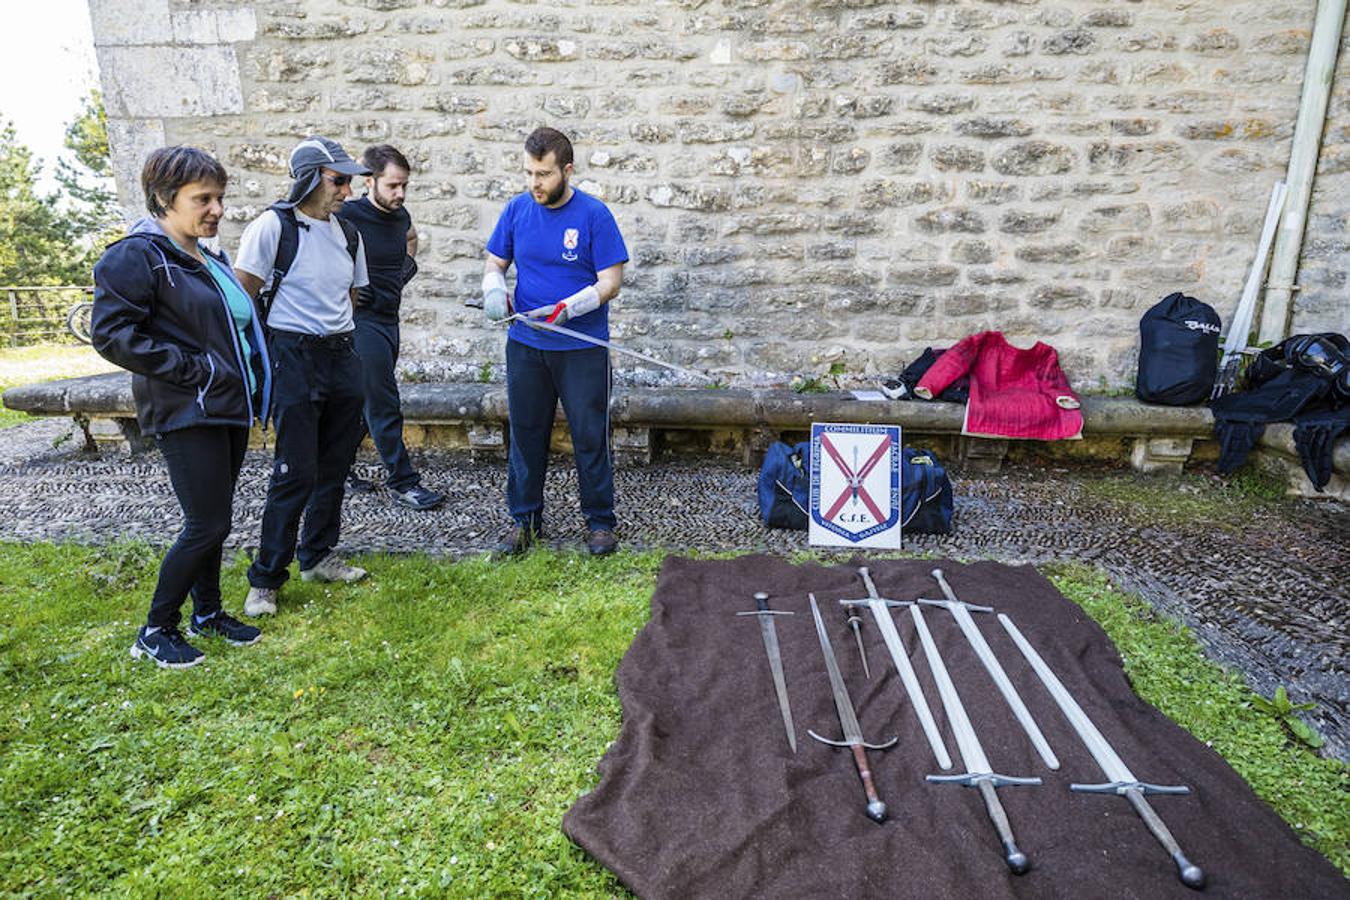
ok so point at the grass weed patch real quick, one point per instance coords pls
(1223, 504)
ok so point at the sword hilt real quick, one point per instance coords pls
(950, 603)
(1190, 874)
(1124, 787)
(876, 810)
(951, 595)
(986, 782)
(762, 607)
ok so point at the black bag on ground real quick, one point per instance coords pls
(1178, 351)
(926, 501)
(785, 485)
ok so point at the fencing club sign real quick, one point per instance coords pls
(855, 486)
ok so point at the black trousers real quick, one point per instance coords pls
(535, 381)
(316, 402)
(203, 466)
(377, 345)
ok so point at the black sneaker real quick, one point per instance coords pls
(166, 647)
(224, 625)
(602, 542)
(513, 543)
(418, 497)
(358, 485)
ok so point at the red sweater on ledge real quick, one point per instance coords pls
(1014, 393)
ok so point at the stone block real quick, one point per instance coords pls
(130, 22)
(982, 455)
(487, 440)
(631, 446)
(951, 219)
(1034, 158)
(956, 158)
(206, 81)
(1166, 455)
(130, 141)
(1076, 41)
(1126, 217)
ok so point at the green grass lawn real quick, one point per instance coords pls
(422, 732)
(46, 362)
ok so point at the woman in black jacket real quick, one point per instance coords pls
(170, 310)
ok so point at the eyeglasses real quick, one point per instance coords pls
(338, 180)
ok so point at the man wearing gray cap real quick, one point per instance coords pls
(304, 266)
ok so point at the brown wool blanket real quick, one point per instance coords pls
(701, 796)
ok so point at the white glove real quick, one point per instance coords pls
(583, 301)
(496, 302)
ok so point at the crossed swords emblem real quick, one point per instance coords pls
(855, 476)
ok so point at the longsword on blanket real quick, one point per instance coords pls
(900, 656)
(978, 772)
(1122, 780)
(768, 632)
(848, 721)
(960, 611)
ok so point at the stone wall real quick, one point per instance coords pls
(800, 183)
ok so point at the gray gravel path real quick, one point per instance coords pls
(1269, 600)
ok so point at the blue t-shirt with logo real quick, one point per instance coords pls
(557, 252)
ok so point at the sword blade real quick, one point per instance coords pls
(769, 633)
(843, 704)
(889, 634)
(600, 342)
(967, 742)
(1101, 751)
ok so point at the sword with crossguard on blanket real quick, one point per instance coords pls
(768, 632)
(848, 721)
(978, 772)
(1122, 780)
(880, 607)
(961, 612)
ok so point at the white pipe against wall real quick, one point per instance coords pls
(1312, 110)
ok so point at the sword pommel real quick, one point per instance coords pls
(1190, 874)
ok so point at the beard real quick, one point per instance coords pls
(556, 194)
(383, 202)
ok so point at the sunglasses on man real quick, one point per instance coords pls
(338, 180)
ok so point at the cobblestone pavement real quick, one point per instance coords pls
(1269, 598)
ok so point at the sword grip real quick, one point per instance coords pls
(1017, 860)
(1190, 874)
(876, 810)
(761, 601)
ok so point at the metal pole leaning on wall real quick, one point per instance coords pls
(1312, 111)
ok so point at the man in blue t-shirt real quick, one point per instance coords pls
(569, 260)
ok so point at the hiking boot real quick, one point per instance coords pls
(602, 542)
(418, 497)
(222, 624)
(358, 485)
(513, 543)
(167, 647)
(331, 568)
(260, 602)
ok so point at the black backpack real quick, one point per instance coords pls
(1178, 351)
(289, 244)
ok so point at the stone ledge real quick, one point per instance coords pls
(474, 416)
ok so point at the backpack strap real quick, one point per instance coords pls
(288, 244)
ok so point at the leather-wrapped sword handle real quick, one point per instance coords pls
(876, 810)
(1017, 860)
(1190, 874)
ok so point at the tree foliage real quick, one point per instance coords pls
(54, 238)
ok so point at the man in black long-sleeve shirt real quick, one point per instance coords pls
(391, 243)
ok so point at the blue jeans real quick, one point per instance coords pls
(535, 381)
(377, 345)
(316, 391)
